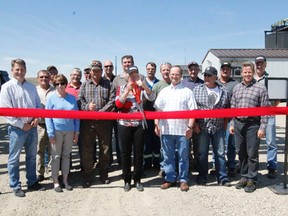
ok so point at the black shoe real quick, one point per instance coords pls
(40, 178)
(36, 187)
(241, 184)
(68, 187)
(58, 189)
(200, 181)
(272, 174)
(139, 186)
(127, 187)
(250, 187)
(87, 184)
(19, 192)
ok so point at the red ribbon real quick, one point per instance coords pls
(216, 113)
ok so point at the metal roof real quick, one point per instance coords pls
(249, 53)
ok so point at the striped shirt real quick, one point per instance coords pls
(14, 94)
(103, 95)
(252, 95)
(175, 98)
(211, 125)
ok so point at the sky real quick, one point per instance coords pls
(70, 34)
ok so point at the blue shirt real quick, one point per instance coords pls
(56, 102)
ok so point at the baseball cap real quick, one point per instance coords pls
(51, 67)
(193, 63)
(210, 71)
(132, 69)
(260, 59)
(226, 64)
(96, 65)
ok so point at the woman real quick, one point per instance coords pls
(131, 131)
(62, 133)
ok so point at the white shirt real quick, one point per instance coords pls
(213, 95)
(14, 94)
(43, 97)
(175, 98)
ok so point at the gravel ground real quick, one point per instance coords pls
(112, 200)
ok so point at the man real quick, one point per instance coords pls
(226, 80)
(96, 95)
(191, 82)
(175, 133)
(164, 70)
(19, 93)
(261, 76)
(208, 96)
(152, 142)
(87, 72)
(43, 89)
(248, 130)
(75, 82)
(53, 72)
(108, 75)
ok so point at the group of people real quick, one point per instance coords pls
(162, 144)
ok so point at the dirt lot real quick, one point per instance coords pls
(112, 200)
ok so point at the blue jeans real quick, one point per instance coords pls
(271, 143)
(17, 139)
(218, 145)
(169, 144)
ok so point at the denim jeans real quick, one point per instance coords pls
(218, 146)
(271, 143)
(169, 144)
(17, 139)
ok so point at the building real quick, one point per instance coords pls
(277, 37)
(277, 60)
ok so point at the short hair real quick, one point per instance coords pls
(128, 57)
(78, 70)
(166, 63)
(43, 71)
(248, 64)
(177, 66)
(152, 64)
(60, 78)
(18, 61)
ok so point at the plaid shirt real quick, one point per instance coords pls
(252, 95)
(174, 98)
(210, 125)
(103, 95)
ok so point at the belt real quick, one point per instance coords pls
(244, 120)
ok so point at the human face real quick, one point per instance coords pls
(60, 86)
(108, 68)
(53, 73)
(260, 67)
(18, 72)
(126, 63)
(43, 80)
(175, 75)
(96, 74)
(193, 71)
(225, 72)
(209, 80)
(165, 70)
(87, 74)
(150, 70)
(247, 74)
(75, 77)
(134, 76)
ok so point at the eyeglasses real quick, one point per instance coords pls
(41, 77)
(106, 66)
(62, 84)
(207, 75)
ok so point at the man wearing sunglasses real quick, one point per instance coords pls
(208, 96)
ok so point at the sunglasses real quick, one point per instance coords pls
(106, 66)
(62, 84)
(41, 77)
(207, 75)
